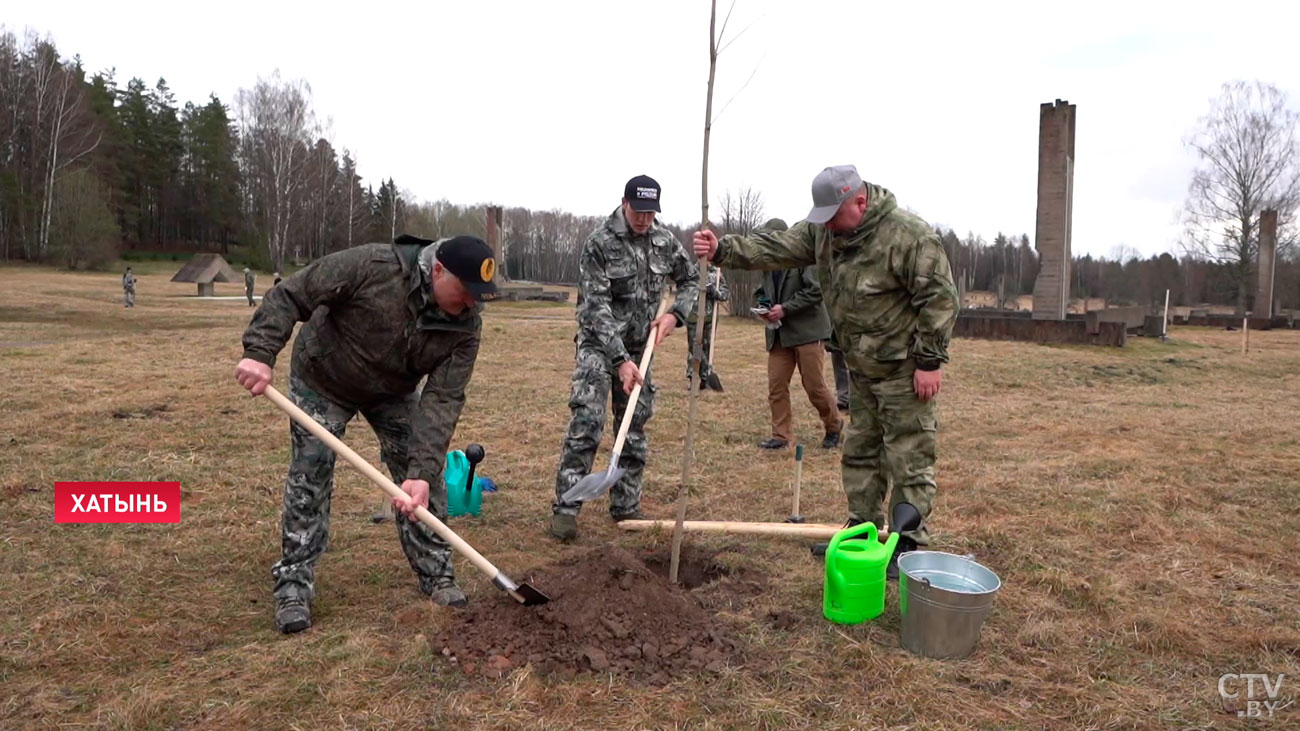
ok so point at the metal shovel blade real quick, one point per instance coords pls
(713, 382)
(593, 485)
(522, 593)
(530, 597)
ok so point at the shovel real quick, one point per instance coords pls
(597, 483)
(522, 593)
(713, 381)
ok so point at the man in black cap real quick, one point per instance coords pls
(379, 317)
(624, 270)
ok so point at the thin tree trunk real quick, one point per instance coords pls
(697, 347)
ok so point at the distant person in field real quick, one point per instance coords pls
(248, 285)
(379, 317)
(128, 288)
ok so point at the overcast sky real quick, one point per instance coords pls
(556, 104)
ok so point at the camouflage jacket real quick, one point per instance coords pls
(248, 280)
(716, 291)
(372, 333)
(887, 284)
(621, 278)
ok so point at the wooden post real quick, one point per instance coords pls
(1164, 327)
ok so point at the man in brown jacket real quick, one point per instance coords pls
(379, 317)
(796, 333)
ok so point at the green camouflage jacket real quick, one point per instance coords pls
(887, 284)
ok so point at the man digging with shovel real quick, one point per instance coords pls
(378, 318)
(624, 270)
(889, 291)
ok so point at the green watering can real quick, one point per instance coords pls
(464, 492)
(854, 590)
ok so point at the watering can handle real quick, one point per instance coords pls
(867, 527)
(474, 454)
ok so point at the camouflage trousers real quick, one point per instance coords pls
(593, 383)
(705, 368)
(890, 438)
(249, 294)
(128, 297)
(305, 521)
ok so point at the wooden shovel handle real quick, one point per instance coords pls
(380, 480)
(636, 390)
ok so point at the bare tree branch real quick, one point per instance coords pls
(1249, 162)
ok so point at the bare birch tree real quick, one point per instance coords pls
(275, 123)
(1249, 162)
(741, 214)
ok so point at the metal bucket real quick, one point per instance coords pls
(943, 599)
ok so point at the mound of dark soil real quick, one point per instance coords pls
(609, 612)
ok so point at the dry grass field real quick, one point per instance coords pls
(1141, 505)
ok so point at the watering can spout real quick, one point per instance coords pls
(891, 543)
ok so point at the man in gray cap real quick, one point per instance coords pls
(889, 291)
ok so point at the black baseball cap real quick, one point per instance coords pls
(470, 259)
(643, 193)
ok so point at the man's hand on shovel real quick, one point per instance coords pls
(664, 324)
(417, 497)
(253, 375)
(630, 376)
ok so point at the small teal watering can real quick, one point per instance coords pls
(464, 491)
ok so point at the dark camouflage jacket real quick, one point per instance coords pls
(887, 285)
(373, 331)
(621, 279)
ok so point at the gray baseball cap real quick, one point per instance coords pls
(831, 188)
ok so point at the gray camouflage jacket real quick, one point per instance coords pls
(622, 277)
